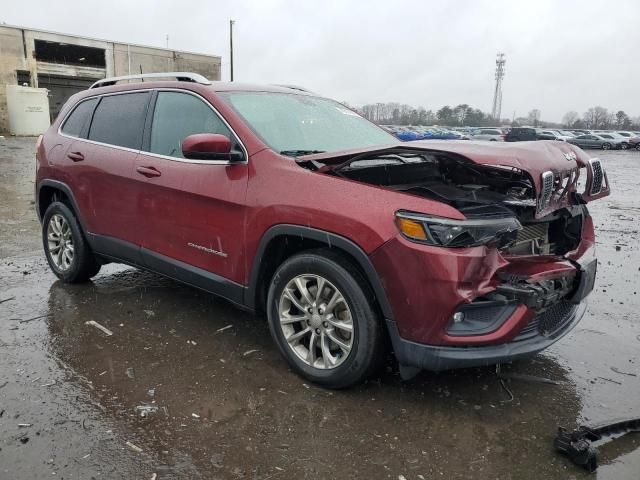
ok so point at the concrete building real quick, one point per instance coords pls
(65, 64)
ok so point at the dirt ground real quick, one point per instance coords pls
(223, 405)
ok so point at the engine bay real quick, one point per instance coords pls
(477, 191)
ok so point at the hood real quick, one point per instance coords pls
(534, 158)
(552, 165)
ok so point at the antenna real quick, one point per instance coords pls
(497, 94)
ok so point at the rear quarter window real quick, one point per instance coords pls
(119, 119)
(75, 124)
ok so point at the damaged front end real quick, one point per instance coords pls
(506, 279)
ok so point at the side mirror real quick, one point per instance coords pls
(209, 146)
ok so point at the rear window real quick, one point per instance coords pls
(119, 120)
(75, 123)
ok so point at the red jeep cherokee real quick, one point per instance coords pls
(284, 202)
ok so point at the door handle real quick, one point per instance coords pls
(148, 171)
(75, 156)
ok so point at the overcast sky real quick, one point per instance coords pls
(561, 55)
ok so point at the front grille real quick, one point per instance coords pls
(548, 322)
(596, 169)
(555, 317)
(547, 190)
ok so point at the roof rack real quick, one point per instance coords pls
(180, 76)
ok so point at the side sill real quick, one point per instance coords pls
(130, 254)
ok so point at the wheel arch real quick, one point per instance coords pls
(282, 241)
(47, 192)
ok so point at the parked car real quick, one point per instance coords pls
(626, 134)
(406, 135)
(596, 141)
(521, 134)
(433, 133)
(563, 134)
(342, 235)
(567, 134)
(634, 142)
(621, 141)
(490, 134)
(550, 135)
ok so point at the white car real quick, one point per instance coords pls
(490, 134)
(553, 133)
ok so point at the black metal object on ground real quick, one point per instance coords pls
(577, 444)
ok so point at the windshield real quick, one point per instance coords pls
(298, 124)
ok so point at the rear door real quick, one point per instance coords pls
(593, 141)
(100, 160)
(114, 139)
(189, 210)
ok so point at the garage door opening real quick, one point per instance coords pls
(61, 88)
(67, 54)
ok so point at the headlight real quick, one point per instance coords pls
(445, 232)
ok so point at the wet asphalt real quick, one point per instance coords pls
(187, 386)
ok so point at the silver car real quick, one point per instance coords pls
(621, 141)
(595, 141)
(490, 134)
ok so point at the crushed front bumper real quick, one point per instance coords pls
(542, 331)
(525, 304)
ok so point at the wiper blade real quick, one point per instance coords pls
(299, 153)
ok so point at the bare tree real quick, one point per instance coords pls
(534, 117)
(570, 118)
(596, 117)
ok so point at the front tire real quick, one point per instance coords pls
(65, 247)
(323, 320)
(606, 146)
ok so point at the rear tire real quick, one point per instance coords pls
(606, 146)
(624, 146)
(65, 247)
(323, 320)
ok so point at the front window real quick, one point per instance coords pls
(300, 123)
(178, 115)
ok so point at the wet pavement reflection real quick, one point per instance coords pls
(188, 386)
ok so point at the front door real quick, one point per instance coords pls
(188, 210)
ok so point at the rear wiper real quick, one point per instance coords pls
(299, 153)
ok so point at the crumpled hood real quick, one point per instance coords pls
(532, 157)
(557, 162)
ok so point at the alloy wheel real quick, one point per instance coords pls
(60, 242)
(606, 146)
(316, 321)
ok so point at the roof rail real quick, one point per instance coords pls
(293, 87)
(180, 76)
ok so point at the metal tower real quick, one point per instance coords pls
(497, 94)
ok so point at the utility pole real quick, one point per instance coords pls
(231, 22)
(497, 94)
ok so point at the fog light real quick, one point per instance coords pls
(458, 317)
